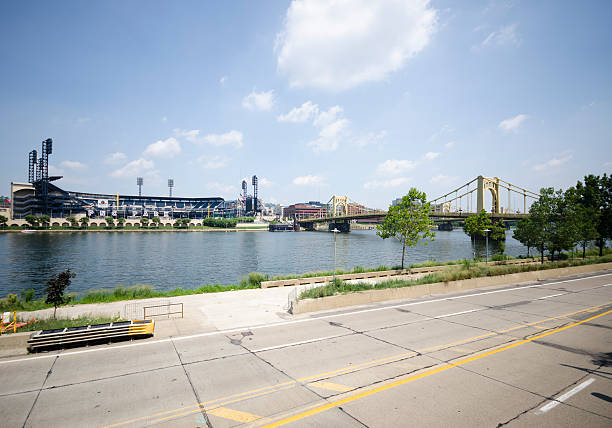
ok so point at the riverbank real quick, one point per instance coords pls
(237, 228)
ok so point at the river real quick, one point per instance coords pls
(169, 260)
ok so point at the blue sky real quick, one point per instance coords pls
(360, 98)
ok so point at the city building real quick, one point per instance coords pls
(305, 210)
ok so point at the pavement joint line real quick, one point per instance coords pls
(331, 386)
(299, 321)
(327, 375)
(286, 345)
(357, 396)
(556, 401)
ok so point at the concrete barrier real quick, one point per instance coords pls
(14, 344)
(372, 296)
(377, 274)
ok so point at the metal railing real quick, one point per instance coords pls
(158, 310)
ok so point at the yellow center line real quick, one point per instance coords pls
(345, 370)
(340, 402)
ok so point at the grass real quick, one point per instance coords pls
(466, 271)
(50, 324)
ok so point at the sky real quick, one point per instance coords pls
(317, 98)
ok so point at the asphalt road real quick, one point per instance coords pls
(527, 355)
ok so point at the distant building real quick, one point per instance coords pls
(305, 210)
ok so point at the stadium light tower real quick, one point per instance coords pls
(139, 182)
(254, 182)
(170, 185)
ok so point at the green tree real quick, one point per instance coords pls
(32, 220)
(44, 220)
(475, 226)
(156, 221)
(73, 222)
(110, 222)
(84, 221)
(525, 233)
(144, 221)
(120, 222)
(408, 221)
(552, 231)
(596, 193)
(55, 288)
(3, 221)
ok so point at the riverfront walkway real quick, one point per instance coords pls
(531, 354)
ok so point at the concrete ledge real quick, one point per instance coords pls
(14, 344)
(376, 274)
(372, 296)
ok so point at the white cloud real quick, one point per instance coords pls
(223, 79)
(450, 144)
(506, 35)
(73, 164)
(261, 101)
(442, 179)
(326, 117)
(166, 148)
(55, 171)
(385, 184)
(164, 119)
(431, 155)
(513, 123)
(115, 158)
(371, 138)
(552, 163)
(309, 180)
(395, 166)
(221, 188)
(341, 44)
(231, 138)
(133, 168)
(330, 136)
(212, 162)
(265, 182)
(301, 114)
(189, 135)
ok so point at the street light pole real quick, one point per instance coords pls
(486, 231)
(335, 231)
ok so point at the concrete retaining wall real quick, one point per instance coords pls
(14, 344)
(372, 296)
(377, 274)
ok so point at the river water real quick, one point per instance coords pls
(169, 260)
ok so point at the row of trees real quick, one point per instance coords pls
(559, 221)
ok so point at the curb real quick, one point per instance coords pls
(373, 296)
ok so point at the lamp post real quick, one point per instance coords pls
(486, 231)
(335, 231)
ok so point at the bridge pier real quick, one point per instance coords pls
(344, 226)
(446, 226)
(309, 226)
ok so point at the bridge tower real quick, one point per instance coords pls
(491, 184)
(337, 202)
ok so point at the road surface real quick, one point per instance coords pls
(526, 355)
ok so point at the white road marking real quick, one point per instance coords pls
(554, 403)
(552, 295)
(269, 348)
(284, 323)
(458, 313)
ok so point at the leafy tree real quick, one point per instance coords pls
(110, 222)
(144, 221)
(156, 221)
(408, 221)
(73, 221)
(525, 233)
(551, 230)
(596, 193)
(44, 220)
(55, 288)
(3, 221)
(475, 226)
(33, 220)
(120, 222)
(584, 219)
(84, 221)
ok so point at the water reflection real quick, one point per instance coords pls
(191, 259)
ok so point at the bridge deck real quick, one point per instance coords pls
(436, 216)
